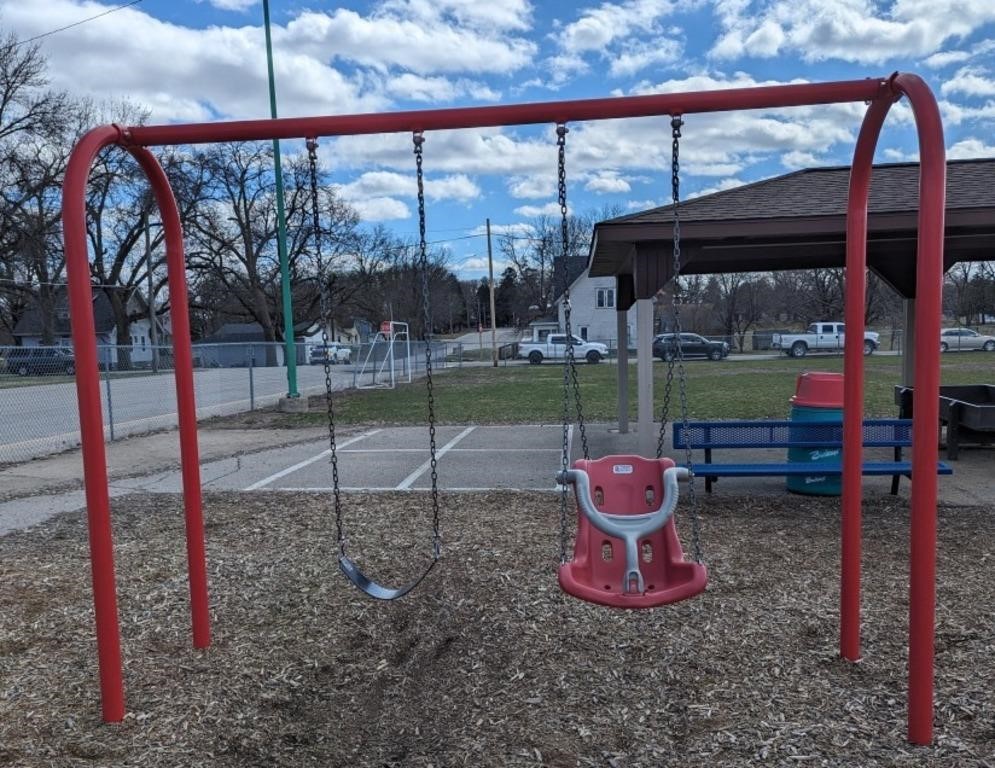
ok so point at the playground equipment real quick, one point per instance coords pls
(878, 92)
(627, 485)
(346, 564)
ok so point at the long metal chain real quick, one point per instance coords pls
(570, 379)
(325, 312)
(419, 139)
(675, 188)
(571, 360)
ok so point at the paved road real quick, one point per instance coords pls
(43, 419)
(39, 420)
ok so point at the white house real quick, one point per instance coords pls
(593, 316)
(29, 327)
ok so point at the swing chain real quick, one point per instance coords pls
(570, 360)
(570, 379)
(675, 185)
(325, 311)
(418, 138)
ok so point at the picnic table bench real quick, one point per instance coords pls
(826, 435)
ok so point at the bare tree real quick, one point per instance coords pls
(742, 302)
(33, 137)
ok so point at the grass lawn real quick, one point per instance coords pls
(529, 394)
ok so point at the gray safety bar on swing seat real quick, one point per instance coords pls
(628, 528)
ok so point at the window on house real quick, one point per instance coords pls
(606, 298)
(583, 332)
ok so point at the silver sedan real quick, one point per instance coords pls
(953, 339)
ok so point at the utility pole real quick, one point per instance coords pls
(153, 331)
(290, 348)
(490, 271)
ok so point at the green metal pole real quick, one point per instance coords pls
(290, 348)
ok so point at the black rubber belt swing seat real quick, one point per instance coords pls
(346, 564)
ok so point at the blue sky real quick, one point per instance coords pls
(203, 60)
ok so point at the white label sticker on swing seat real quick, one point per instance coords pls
(622, 469)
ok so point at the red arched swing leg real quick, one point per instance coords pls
(91, 419)
(929, 281)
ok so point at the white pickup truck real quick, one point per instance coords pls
(820, 337)
(555, 348)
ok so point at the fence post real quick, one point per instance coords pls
(252, 387)
(107, 386)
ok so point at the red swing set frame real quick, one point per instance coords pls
(879, 92)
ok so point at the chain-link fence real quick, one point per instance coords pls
(39, 412)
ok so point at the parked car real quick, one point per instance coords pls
(40, 361)
(555, 348)
(334, 353)
(692, 345)
(965, 338)
(821, 337)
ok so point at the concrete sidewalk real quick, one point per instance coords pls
(523, 457)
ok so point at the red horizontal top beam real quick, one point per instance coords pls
(764, 97)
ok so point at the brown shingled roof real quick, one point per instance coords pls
(798, 220)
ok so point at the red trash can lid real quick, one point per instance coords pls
(819, 390)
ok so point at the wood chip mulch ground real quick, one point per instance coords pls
(487, 663)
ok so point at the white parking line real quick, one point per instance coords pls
(307, 462)
(407, 482)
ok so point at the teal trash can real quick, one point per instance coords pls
(818, 398)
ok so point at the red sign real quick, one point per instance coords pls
(385, 327)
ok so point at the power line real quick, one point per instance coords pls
(77, 23)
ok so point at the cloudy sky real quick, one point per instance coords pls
(204, 60)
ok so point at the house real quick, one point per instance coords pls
(30, 327)
(359, 333)
(593, 315)
(237, 345)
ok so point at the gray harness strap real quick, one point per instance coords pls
(371, 588)
(628, 528)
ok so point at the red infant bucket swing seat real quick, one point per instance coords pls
(627, 553)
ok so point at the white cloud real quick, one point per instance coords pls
(965, 149)
(955, 114)
(797, 159)
(519, 229)
(946, 58)
(900, 155)
(480, 264)
(379, 184)
(380, 209)
(970, 81)
(598, 27)
(852, 30)
(180, 72)
(233, 5)
(493, 14)
(642, 205)
(607, 182)
(437, 89)
(638, 56)
(530, 211)
(338, 62)
(384, 40)
(531, 187)
(626, 35)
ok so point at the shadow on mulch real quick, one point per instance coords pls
(487, 663)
